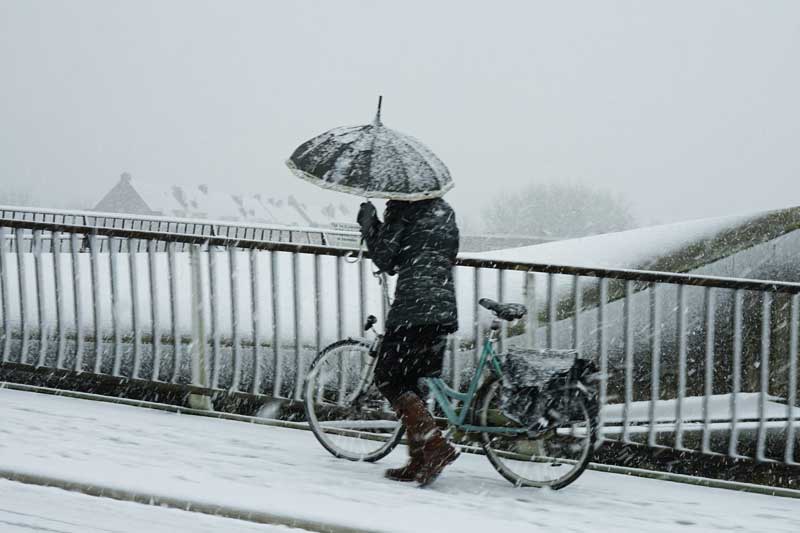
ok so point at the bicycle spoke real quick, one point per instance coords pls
(345, 410)
(553, 457)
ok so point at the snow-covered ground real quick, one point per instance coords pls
(719, 406)
(286, 472)
(27, 508)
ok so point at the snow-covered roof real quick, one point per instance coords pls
(326, 212)
(635, 248)
(203, 202)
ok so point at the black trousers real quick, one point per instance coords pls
(408, 354)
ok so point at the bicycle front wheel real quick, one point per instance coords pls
(344, 408)
(555, 458)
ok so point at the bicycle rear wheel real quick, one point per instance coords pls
(350, 420)
(555, 458)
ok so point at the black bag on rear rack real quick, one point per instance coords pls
(535, 379)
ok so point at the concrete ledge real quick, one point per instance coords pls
(701, 481)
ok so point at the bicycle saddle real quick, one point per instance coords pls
(505, 311)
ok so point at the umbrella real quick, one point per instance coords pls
(372, 161)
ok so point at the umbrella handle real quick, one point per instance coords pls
(360, 255)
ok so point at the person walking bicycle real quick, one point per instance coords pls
(418, 241)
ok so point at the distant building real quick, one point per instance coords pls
(129, 196)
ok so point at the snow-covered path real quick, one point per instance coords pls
(286, 472)
(27, 508)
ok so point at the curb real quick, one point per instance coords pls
(699, 481)
(237, 513)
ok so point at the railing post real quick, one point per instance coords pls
(501, 296)
(214, 302)
(655, 358)
(340, 310)
(791, 396)
(155, 330)
(455, 371)
(40, 296)
(362, 289)
(551, 311)
(296, 293)
(602, 349)
(199, 370)
(4, 284)
(681, 366)
(74, 245)
(318, 304)
(236, 348)
(59, 290)
(23, 294)
(737, 372)
(255, 312)
(478, 333)
(532, 319)
(628, 320)
(766, 333)
(115, 314)
(96, 308)
(133, 276)
(455, 378)
(577, 297)
(709, 369)
(277, 355)
(173, 298)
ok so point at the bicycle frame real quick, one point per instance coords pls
(443, 394)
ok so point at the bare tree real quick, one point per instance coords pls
(29, 195)
(557, 210)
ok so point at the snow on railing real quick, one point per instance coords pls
(193, 226)
(690, 362)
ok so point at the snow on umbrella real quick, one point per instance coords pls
(372, 161)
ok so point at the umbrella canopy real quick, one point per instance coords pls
(372, 161)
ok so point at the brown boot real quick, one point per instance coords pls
(436, 453)
(410, 470)
(416, 457)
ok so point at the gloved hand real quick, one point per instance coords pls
(366, 215)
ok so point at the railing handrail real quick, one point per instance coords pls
(231, 223)
(649, 276)
(621, 274)
(173, 220)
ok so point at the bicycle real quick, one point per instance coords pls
(352, 420)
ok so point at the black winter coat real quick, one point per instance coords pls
(418, 241)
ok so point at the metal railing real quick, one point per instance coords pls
(184, 226)
(688, 362)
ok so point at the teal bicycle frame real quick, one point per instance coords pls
(443, 394)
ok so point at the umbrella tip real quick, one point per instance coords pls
(378, 114)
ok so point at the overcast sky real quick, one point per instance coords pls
(690, 109)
